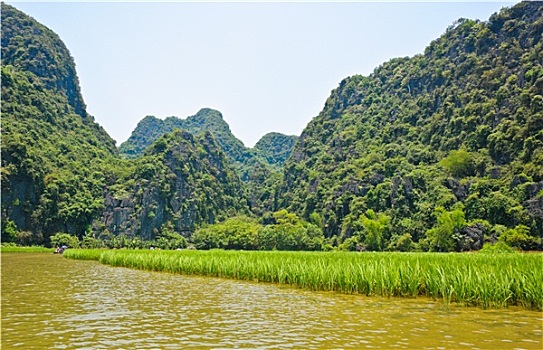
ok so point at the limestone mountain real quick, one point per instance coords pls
(61, 171)
(182, 181)
(273, 148)
(455, 132)
(44, 55)
(49, 142)
(258, 167)
(262, 175)
(151, 128)
(276, 147)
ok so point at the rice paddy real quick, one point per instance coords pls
(34, 249)
(488, 281)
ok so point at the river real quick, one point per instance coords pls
(49, 302)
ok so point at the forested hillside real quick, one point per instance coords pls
(53, 153)
(181, 182)
(443, 149)
(276, 147)
(272, 149)
(151, 128)
(259, 168)
(61, 171)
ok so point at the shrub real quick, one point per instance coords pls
(496, 248)
(519, 237)
(60, 239)
(402, 243)
(459, 163)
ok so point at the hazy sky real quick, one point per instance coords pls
(265, 66)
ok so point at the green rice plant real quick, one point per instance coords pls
(83, 254)
(485, 280)
(33, 249)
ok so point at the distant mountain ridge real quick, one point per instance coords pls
(259, 168)
(150, 128)
(274, 148)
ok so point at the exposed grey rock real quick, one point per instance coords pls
(471, 237)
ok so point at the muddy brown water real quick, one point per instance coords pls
(49, 302)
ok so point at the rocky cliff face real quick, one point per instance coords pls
(182, 179)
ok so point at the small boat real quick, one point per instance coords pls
(60, 250)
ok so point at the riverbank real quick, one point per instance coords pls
(488, 281)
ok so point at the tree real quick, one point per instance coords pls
(374, 226)
(449, 223)
(519, 237)
(169, 239)
(9, 231)
(402, 243)
(89, 242)
(60, 239)
(459, 163)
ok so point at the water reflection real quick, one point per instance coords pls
(51, 302)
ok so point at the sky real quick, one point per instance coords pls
(267, 66)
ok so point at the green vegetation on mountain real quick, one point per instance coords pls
(61, 172)
(150, 128)
(259, 168)
(261, 184)
(181, 182)
(53, 153)
(442, 151)
(276, 147)
(445, 148)
(31, 47)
